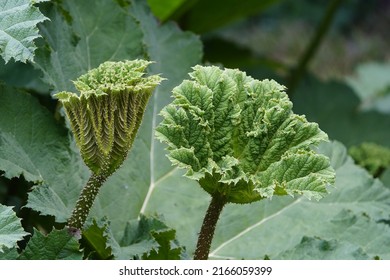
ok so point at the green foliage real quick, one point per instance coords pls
(315, 248)
(239, 137)
(94, 240)
(375, 158)
(335, 108)
(166, 45)
(349, 223)
(11, 229)
(57, 245)
(18, 29)
(371, 83)
(147, 238)
(353, 213)
(77, 44)
(106, 116)
(169, 9)
(9, 254)
(35, 146)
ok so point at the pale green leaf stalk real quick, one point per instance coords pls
(104, 119)
(238, 137)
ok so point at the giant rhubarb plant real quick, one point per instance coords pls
(104, 119)
(238, 137)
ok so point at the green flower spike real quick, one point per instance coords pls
(104, 119)
(239, 138)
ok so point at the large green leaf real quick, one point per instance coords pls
(11, 229)
(32, 144)
(316, 248)
(83, 37)
(18, 30)
(336, 109)
(57, 245)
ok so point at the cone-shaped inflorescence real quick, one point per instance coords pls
(104, 118)
(239, 138)
(106, 115)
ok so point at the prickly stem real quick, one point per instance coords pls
(208, 227)
(85, 201)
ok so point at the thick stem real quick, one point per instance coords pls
(208, 227)
(85, 201)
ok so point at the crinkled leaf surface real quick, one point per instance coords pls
(57, 245)
(11, 229)
(240, 139)
(18, 29)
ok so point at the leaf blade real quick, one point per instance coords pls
(11, 229)
(18, 29)
(57, 245)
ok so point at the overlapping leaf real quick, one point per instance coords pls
(83, 37)
(32, 144)
(11, 229)
(18, 29)
(57, 245)
(335, 108)
(147, 238)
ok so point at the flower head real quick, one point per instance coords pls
(106, 115)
